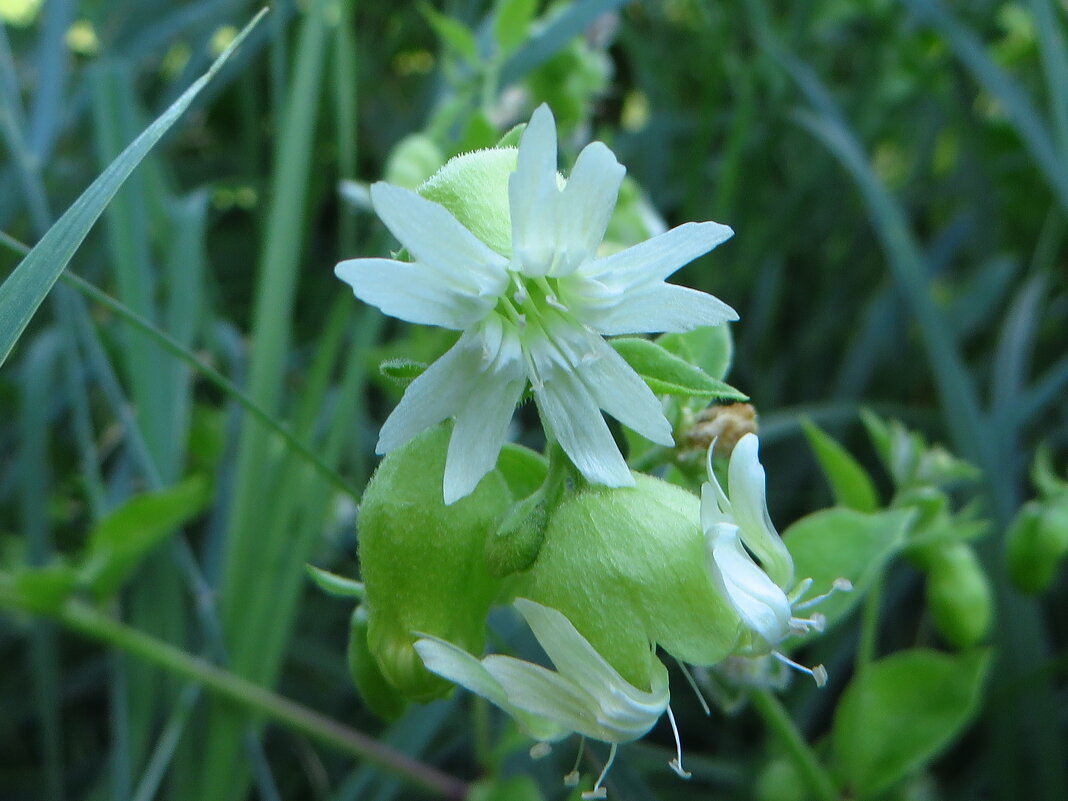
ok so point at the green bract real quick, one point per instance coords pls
(627, 567)
(422, 561)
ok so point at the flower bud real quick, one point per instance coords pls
(412, 160)
(422, 561)
(959, 595)
(1036, 543)
(627, 566)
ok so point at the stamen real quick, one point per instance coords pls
(803, 625)
(572, 778)
(839, 585)
(676, 763)
(818, 673)
(598, 792)
(555, 303)
(798, 592)
(540, 750)
(695, 688)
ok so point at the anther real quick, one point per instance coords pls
(598, 792)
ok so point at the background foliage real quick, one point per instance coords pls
(896, 173)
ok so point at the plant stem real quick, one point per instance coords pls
(775, 716)
(84, 619)
(869, 624)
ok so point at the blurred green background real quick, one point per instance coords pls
(897, 176)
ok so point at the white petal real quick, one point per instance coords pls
(761, 604)
(659, 307)
(437, 239)
(624, 395)
(657, 258)
(481, 425)
(627, 707)
(533, 195)
(452, 663)
(546, 694)
(747, 484)
(411, 291)
(586, 206)
(436, 394)
(573, 416)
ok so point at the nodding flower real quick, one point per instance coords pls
(737, 527)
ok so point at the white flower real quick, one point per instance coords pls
(737, 524)
(535, 313)
(584, 695)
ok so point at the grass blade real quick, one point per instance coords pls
(26, 288)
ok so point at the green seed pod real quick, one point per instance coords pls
(422, 561)
(959, 595)
(1036, 543)
(379, 695)
(628, 568)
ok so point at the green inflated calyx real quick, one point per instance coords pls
(474, 188)
(628, 568)
(422, 561)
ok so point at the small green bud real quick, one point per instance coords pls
(412, 160)
(959, 595)
(474, 188)
(628, 567)
(379, 695)
(515, 545)
(929, 502)
(422, 561)
(1036, 543)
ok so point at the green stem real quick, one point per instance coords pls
(84, 619)
(869, 625)
(775, 716)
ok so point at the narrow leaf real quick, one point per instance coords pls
(668, 374)
(28, 285)
(333, 584)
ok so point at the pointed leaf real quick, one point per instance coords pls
(402, 372)
(710, 347)
(852, 486)
(334, 585)
(127, 535)
(668, 374)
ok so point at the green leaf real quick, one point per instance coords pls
(710, 347)
(512, 136)
(43, 589)
(843, 543)
(511, 23)
(334, 585)
(402, 372)
(900, 712)
(523, 469)
(28, 285)
(852, 486)
(123, 538)
(453, 34)
(668, 374)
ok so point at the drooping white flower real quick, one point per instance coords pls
(534, 313)
(737, 525)
(585, 695)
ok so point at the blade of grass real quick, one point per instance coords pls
(53, 58)
(205, 369)
(1024, 117)
(37, 379)
(224, 775)
(24, 290)
(1049, 25)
